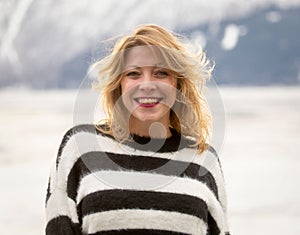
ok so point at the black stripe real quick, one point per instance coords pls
(76, 129)
(174, 143)
(138, 232)
(62, 225)
(213, 228)
(160, 145)
(147, 200)
(97, 161)
(48, 190)
(91, 128)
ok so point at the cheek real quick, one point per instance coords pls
(173, 92)
(127, 85)
(169, 91)
(173, 95)
(123, 86)
(127, 91)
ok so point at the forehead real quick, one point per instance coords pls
(141, 56)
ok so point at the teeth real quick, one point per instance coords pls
(148, 100)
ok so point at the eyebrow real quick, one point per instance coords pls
(139, 67)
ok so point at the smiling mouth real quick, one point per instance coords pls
(148, 100)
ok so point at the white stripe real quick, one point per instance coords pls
(86, 141)
(59, 204)
(53, 177)
(106, 180)
(143, 219)
(68, 158)
(83, 142)
(79, 144)
(207, 160)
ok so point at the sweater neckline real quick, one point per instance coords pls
(174, 143)
(146, 139)
(146, 143)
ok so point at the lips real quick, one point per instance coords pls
(148, 101)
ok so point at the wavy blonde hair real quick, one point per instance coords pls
(189, 115)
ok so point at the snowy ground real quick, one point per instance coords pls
(260, 157)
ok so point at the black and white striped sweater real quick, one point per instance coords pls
(100, 186)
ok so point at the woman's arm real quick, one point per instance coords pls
(222, 195)
(214, 164)
(61, 211)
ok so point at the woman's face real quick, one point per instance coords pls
(148, 88)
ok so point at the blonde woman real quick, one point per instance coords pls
(148, 167)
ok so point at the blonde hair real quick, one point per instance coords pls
(189, 115)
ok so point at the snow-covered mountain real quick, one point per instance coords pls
(51, 43)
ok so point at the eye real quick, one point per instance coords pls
(161, 73)
(132, 74)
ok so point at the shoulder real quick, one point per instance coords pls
(90, 128)
(190, 143)
(83, 129)
(75, 130)
(212, 150)
(78, 138)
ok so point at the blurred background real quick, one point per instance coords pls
(46, 48)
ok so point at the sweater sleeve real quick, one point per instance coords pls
(223, 199)
(222, 195)
(61, 211)
(218, 221)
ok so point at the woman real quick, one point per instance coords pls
(148, 167)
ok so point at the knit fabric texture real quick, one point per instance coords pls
(140, 186)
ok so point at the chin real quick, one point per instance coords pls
(148, 119)
(151, 117)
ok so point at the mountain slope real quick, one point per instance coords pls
(45, 44)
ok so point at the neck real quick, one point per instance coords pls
(150, 129)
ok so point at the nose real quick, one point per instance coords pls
(147, 84)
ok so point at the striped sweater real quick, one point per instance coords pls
(101, 186)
